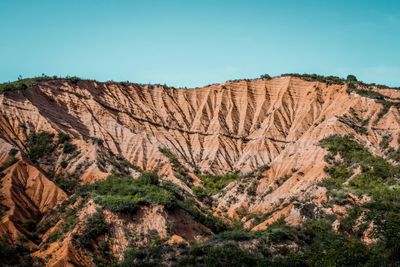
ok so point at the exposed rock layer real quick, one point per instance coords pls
(235, 126)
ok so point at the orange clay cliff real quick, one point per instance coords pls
(121, 174)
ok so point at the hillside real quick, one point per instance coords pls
(284, 171)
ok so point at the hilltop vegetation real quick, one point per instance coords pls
(24, 83)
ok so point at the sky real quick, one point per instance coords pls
(195, 43)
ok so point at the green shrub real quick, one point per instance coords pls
(95, 226)
(63, 164)
(384, 143)
(54, 236)
(17, 255)
(39, 144)
(227, 254)
(394, 154)
(213, 184)
(236, 235)
(70, 220)
(200, 193)
(390, 232)
(13, 152)
(11, 161)
(149, 178)
(181, 172)
(122, 166)
(63, 138)
(370, 94)
(97, 141)
(312, 244)
(385, 109)
(351, 78)
(68, 183)
(265, 76)
(206, 218)
(149, 256)
(69, 148)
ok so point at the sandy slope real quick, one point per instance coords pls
(234, 126)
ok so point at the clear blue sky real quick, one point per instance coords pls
(193, 43)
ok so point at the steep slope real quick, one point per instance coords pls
(65, 133)
(246, 123)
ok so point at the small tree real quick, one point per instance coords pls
(265, 76)
(351, 78)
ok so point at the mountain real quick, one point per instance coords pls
(291, 170)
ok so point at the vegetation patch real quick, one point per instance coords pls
(122, 166)
(95, 227)
(181, 172)
(22, 84)
(11, 159)
(68, 183)
(316, 77)
(390, 152)
(378, 179)
(378, 97)
(17, 255)
(355, 122)
(125, 194)
(313, 244)
(40, 144)
(96, 140)
(213, 184)
(65, 140)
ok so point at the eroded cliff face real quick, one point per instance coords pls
(267, 129)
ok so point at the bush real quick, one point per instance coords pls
(206, 218)
(351, 78)
(11, 161)
(53, 237)
(213, 184)
(265, 76)
(13, 152)
(228, 254)
(63, 164)
(69, 148)
(236, 235)
(63, 138)
(149, 256)
(68, 183)
(95, 226)
(200, 193)
(150, 178)
(40, 144)
(17, 255)
(390, 232)
(181, 172)
(97, 141)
